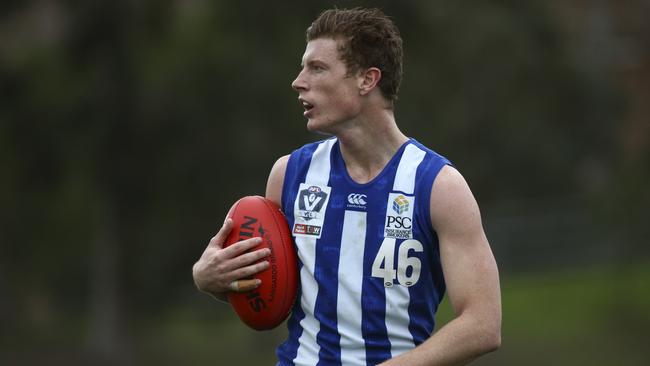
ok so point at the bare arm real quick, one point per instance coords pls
(471, 276)
(219, 266)
(276, 180)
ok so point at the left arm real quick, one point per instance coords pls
(471, 276)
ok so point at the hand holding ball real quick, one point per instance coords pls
(268, 305)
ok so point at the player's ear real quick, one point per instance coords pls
(368, 80)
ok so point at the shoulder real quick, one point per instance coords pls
(280, 165)
(452, 204)
(276, 180)
(431, 159)
(289, 167)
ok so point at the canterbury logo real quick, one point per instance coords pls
(357, 199)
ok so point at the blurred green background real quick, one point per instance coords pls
(128, 128)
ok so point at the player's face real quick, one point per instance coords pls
(329, 96)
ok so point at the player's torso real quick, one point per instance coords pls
(369, 267)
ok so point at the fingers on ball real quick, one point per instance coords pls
(251, 270)
(242, 246)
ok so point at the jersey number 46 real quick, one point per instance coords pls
(384, 264)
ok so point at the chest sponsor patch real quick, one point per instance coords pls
(309, 210)
(399, 216)
(357, 201)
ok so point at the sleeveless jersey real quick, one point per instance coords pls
(370, 273)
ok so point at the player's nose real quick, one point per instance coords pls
(299, 83)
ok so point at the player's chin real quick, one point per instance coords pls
(314, 126)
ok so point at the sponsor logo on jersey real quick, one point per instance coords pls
(309, 209)
(399, 216)
(400, 204)
(357, 200)
(306, 229)
(311, 201)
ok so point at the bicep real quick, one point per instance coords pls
(276, 180)
(469, 267)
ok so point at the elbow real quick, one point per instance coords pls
(486, 334)
(492, 339)
(493, 342)
(491, 331)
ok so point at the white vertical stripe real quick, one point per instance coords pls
(408, 165)
(398, 297)
(397, 319)
(307, 354)
(350, 280)
(319, 167)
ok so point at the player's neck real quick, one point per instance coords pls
(369, 145)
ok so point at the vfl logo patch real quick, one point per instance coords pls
(399, 216)
(310, 202)
(309, 210)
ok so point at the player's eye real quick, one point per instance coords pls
(318, 68)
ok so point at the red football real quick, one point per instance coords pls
(268, 305)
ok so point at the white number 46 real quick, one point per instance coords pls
(384, 264)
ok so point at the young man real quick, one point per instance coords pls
(382, 224)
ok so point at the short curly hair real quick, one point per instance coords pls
(370, 39)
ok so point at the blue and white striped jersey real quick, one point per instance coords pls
(370, 273)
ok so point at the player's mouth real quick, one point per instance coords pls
(308, 107)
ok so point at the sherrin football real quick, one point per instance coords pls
(268, 305)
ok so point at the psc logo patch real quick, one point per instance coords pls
(399, 216)
(400, 204)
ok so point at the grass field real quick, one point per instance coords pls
(596, 316)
